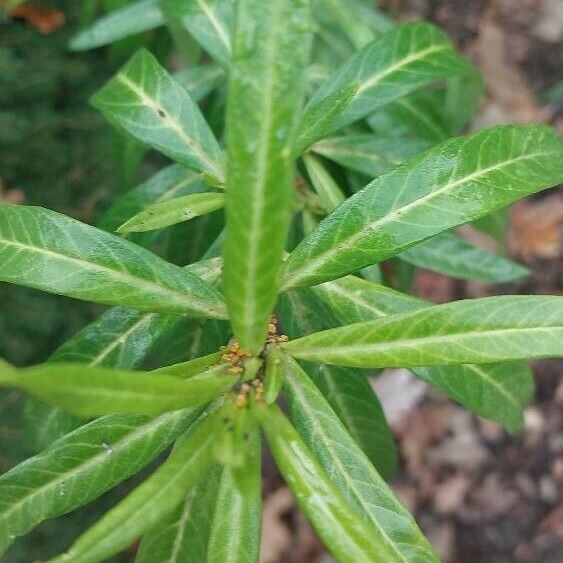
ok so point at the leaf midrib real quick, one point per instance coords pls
(181, 525)
(174, 125)
(377, 78)
(258, 187)
(119, 340)
(124, 277)
(328, 440)
(473, 367)
(328, 150)
(155, 498)
(502, 390)
(357, 299)
(423, 340)
(432, 125)
(92, 461)
(91, 390)
(221, 31)
(311, 265)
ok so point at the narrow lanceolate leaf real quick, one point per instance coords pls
(421, 112)
(492, 329)
(317, 123)
(347, 390)
(48, 251)
(210, 22)
(496, 391)
(237, 520)
(462, 100)
(184, 534)
(93, 391)
(82, 466)
(134, 18)
(200, 80)
(265, 96)
(401, 61)
(451, 255)
(353, 399)
(154, 108)
(173, 211)
(329, 193)
(352, 473)
(452, 183)
(172, 182)
(499, 391)
(354, 17)
(192, 367)
(120, 338)
(350, 536)
(149, 503)
(372, 155)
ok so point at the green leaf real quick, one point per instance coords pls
(462, 99)
(184, 534)
(354, 18)
(351, 471)
(149, 503)
(350, 536)
(119, 338)
(192, 367)
(329, 193)
(355, 300)
(401, 61)
(451, 255)
(200, 80)
(348, 391)
(317, 123)
(237, 520)
(144, 100)
(82, 466)
(496, 391)
(173, 211)
(273, 380)
(171, 182)
(452, 183)
(353, 399)
(210, 22)
(265, 94)
(129, 20)
(235, 429)
(48, 251)
(491, 329)
(420, 112)
(499, 392)
(369, 154)
(94, 391)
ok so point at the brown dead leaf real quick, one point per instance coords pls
(510, 98)
(434, 287)
(10, 195)
(553, 522)
(44, 20)
(451, 493)
(537, 228)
